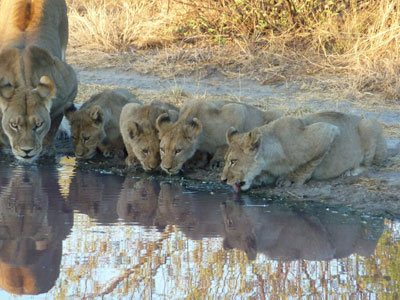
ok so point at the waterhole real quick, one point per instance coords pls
(68, 233)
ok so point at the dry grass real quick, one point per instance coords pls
(354, 42)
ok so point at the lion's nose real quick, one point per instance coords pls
(26, 150)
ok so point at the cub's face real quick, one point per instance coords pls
(241, 166)
(87, 130)
(26, 116)
(143, 141)
(178, 142)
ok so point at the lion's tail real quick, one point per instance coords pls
(23, 13)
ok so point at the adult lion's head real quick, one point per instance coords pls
(26, 115)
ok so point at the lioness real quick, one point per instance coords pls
(35, 82)
(319, 146)
(201, 127)
(138, 130)
(95, 126)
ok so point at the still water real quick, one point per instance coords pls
(71, 234)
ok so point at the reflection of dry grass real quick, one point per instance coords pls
(244, 38)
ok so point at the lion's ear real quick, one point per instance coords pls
(230, 133)
(192, 129)
(69, 111)
(134, 129)
(96, 113)
(162, 122)
(6, 88)
(254, 140)
(46, 88)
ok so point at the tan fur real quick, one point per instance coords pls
(95, 126)
(140, 134)
(319, 146)
(201, 127)
(35, 82)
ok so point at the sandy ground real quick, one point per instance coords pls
(377, 191)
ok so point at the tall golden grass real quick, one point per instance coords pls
(355, 41)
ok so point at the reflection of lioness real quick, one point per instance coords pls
(319, 146)
(138, 130)
(95, 126)
(35, 82)
(201, 127)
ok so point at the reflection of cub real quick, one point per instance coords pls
(95, 195)
(138, 201)
(319, 146)
(195, 214)
(151, 204)
(284, 234)
(33, 223)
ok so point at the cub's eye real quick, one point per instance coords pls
(73, 137)
(177, 151)
(37, 126)
(162, 150)
(145, 151)
(85, 138)
(14, 125)
(233, 162)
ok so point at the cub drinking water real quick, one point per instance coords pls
(95, 126)
(293, 150)
(140, 134)
(201, 127)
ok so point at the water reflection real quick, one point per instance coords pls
(140, 238)
(95, 195)
(33, 222)
(288, 234)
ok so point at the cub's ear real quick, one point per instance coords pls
(192, 129)
(230, 133)
(154, 113)
(162, 122)
(96, 113)
(254, 140)
(134, 129)
(6, 89)
(69, 111)
(46, 90)
(173, 115)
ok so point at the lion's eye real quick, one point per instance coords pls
(233, 162)
(37, 126)
(85, 138)
(73, 137)
(145, 151)
(162, 150)
(14, 125)
(177, 151)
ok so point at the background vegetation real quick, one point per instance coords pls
(355, 42)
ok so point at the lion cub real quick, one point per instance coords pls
(95, 126)
(201, 127)
(292, 150)
(139, 133)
